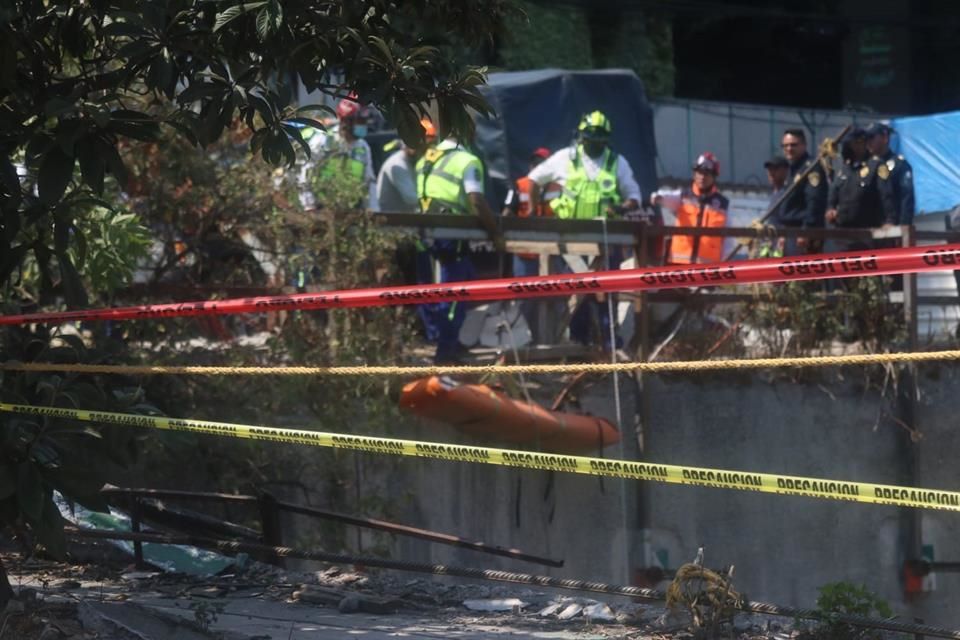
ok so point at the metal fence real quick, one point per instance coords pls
(743, 136)
(929, 302)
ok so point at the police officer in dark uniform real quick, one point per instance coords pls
(894, 176)
(805, 206)
(853, 200)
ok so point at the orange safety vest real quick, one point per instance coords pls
(699, 210)
(549, 192)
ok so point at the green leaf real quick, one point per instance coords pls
(8, 480)
(407, 123)
(316, 107)
(45, 454)
(269, 20)
(307, 122)
(61, 230)
(230, 14)
(124, 29)
(263, 107)
(73, 290)
(138, 50)
(199, 90)
(114, 163)
(57, 106)
(383, 47)
(31, 491)
(56, 170)
(81, 254)
(92, 166)
(297, 136)
(161, 74)
(9, 178)
(49, 529)
(12, 259)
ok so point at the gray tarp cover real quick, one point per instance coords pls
(542, 108)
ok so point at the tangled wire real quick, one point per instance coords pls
(707, 595)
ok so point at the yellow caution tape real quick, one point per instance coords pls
(719, 478)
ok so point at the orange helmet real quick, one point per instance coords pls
(429, 130)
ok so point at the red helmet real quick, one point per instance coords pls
(349, 108)
(708, 162)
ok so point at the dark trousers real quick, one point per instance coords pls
(442, 320)
(592, 310)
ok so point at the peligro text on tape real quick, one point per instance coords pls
(833, 265)
(718, 478)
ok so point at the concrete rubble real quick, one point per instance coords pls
(61, 602)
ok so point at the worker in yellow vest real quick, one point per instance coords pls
(596, 182)
(450, 181)
(340, 154)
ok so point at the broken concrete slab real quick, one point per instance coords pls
(346, 601)
(130, 621)
(571, 610)
(598, 611)
(497, 604)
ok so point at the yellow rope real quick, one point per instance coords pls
(607, 367)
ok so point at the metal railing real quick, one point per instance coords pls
(551, 237)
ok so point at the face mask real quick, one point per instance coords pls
(594, 148)
(360, 130)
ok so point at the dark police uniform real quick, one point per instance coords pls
(895, 182)
(805, 206)
(856, 196)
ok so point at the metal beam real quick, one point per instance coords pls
(357, 521)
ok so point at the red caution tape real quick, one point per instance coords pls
(814, 267)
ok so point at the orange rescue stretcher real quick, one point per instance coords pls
(479, 411)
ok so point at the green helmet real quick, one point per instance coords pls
(595, 125)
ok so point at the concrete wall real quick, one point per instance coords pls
(574, 517)
(783, 547)
(937, 456)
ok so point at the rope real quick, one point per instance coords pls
(428, 370)
(229, 546)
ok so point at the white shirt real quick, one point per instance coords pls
(554, 169)
(321, 144)
(670, 202)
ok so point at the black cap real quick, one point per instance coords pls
(876, 128)
(858, 132)
(776, 161)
